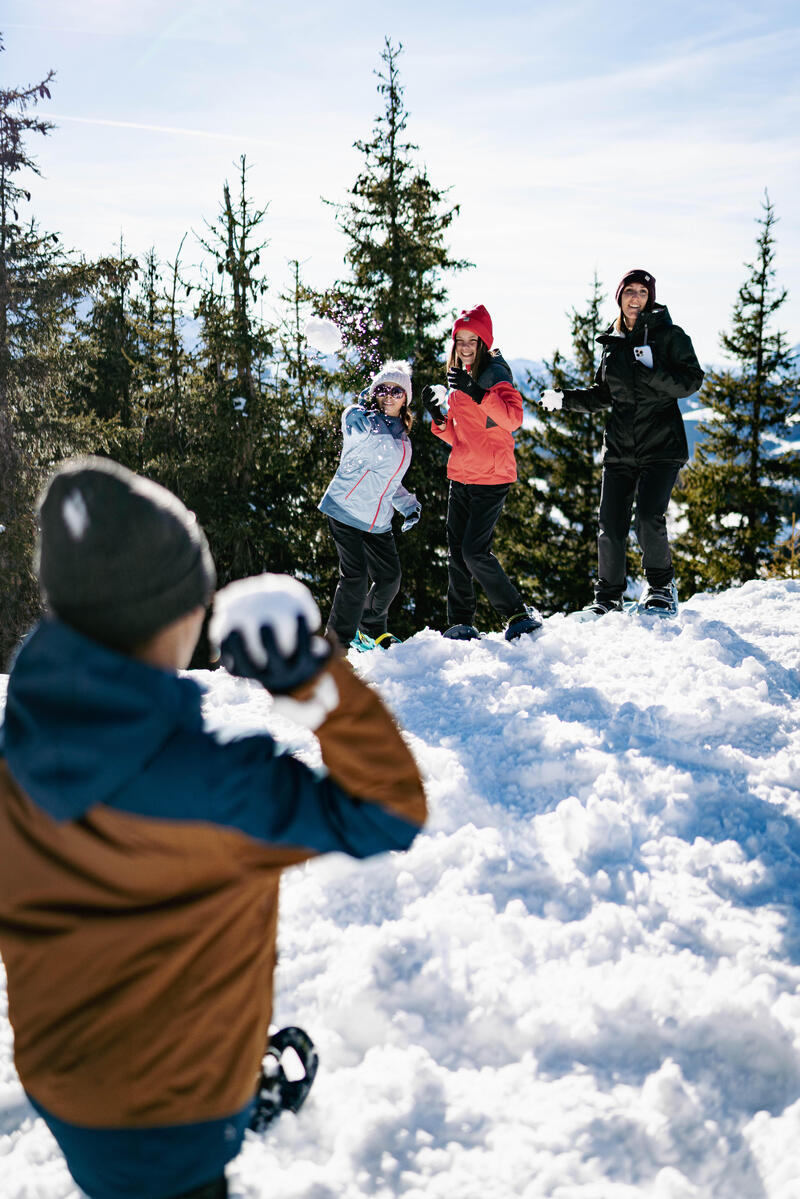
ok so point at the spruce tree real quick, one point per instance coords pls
(227, 405)
(105, 381)
(391, 307)
(41, 290)
(739, 488)
(310, 400)
(20, 247)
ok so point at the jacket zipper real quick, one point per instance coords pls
(386, 488)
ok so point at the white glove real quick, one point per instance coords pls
(643, 355)
(551, 401)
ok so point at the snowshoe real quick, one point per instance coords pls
(462, 632)
(595, 610)
(362, 642)
(526, 621)
(386, 640)
(659, 601)
(276, 1091)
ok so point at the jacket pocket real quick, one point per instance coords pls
(357, 484)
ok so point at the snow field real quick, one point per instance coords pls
(581, 982)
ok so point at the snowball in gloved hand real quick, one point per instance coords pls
(264, 627)
(551, 400)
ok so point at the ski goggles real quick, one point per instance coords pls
(391, 390)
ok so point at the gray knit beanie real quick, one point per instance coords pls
(119, 556)
(398, 373)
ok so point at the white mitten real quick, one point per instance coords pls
(310, 712)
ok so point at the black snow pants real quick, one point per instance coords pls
(473, 510)
(356, 604)
(651, 487)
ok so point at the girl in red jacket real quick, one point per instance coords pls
(478, 420)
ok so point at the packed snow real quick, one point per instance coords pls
(583, 980)
(323, 335)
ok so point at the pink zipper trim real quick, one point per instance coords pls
(386, 488)
(352, 489)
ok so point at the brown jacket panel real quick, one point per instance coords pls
(157, 943)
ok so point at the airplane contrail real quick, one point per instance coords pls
(207, 133)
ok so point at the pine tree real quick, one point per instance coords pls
(548, 537)
(738, 489)
(237, 437)
(311, 403)
(161, 363)
(41, 289)
(105, 381)
(20, 247)
(390, 307)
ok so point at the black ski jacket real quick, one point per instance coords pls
(645, 424)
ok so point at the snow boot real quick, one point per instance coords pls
(462, 632)
(526, 621)
(276, 1091)
(362, 642)
(596, 609)
(386, 640)
(659, 601)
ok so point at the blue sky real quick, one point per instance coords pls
(575, 136)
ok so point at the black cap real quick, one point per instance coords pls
(120, 557)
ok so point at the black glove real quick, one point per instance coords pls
(432, 406)
(282, 674)
(460, 380)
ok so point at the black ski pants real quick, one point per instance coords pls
(650, 487)
(356, 604)
(473, 510)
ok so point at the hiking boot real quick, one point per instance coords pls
(526, 621)
(386, 640)
(462, 632)
(596, 609)
(362, 642)
(603, 607)
(660, 601)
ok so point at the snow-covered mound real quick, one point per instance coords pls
(583, 981)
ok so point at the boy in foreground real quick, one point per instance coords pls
(140, 859)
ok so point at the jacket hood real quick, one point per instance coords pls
(650, 318)
(81, 720)
(496, 370)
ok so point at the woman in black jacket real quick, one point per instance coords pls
(648, 364)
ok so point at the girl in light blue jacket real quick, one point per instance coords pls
(360, 502)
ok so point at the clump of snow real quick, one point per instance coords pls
(247, 605)
(583, 980)
(323, 335)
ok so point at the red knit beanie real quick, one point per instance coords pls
(638, 276)
(477, 320)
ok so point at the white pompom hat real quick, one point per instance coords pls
(398, 373)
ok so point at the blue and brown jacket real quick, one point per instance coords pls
(140, 858)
